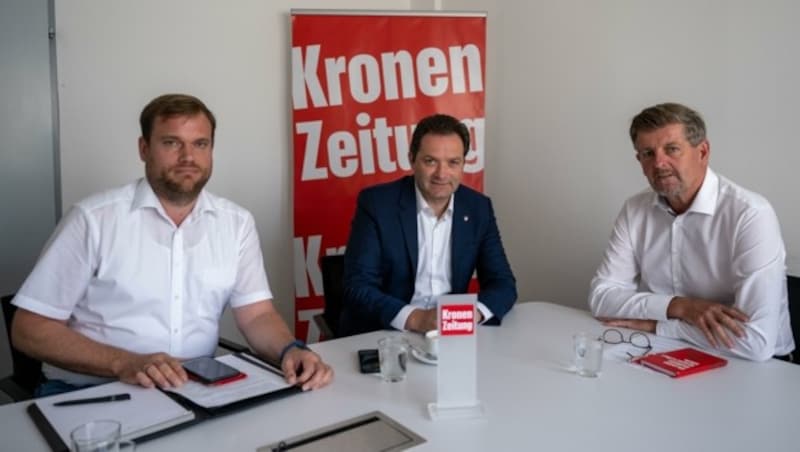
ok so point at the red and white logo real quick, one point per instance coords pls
(457, 320)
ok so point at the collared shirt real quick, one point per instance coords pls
(726, 247)
(433, 260)
(121, 273)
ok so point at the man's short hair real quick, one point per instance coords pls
(169, 105)
(438, 124)
(662, 115)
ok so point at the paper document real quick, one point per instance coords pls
(259, 381)
(147, 411)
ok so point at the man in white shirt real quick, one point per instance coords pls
(697, 258)
(135, 279)
(419, 237)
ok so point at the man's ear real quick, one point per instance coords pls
(143, 148)
(410, 156)
(705, 150)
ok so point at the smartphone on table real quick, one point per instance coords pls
(368, 361)
(211, 372)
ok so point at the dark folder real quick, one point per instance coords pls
(54, 440)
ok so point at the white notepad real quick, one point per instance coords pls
(148, 410)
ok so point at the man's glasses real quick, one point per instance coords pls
(636, 339)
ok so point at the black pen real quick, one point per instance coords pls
(108, 398)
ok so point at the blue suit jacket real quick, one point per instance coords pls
(381, 256)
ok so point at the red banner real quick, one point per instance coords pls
(359, 85)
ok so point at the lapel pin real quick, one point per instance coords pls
(466, 217)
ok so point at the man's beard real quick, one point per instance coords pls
(175, 192)
(669, 193)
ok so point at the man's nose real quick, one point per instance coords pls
(186, 153)
(660, 159)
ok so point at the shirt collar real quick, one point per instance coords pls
(706, 200)
(145, 197)
(422, 205)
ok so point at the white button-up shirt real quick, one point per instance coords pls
(726, 247)
(121, 273)
(433, 260)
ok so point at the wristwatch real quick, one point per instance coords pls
(295, 343)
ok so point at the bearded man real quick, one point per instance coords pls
(698, 257)
(134, 280)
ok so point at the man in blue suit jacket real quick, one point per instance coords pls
(419, 237)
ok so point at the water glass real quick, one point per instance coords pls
(99, 436)
(393, 354)
(588, 354)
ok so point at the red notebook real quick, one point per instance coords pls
(682, 362)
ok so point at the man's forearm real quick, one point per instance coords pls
(53, 342)
(265, 331)
(613, 300)
(755, 345)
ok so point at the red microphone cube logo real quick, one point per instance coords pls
(457, 320)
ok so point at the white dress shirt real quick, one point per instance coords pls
(121, 273)
(433, 261)
(726, 247)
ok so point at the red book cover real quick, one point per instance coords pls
(682, 362)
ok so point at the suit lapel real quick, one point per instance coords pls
(408, 221)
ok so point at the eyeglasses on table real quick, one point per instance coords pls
(639, 340)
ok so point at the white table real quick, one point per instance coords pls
(531, 401)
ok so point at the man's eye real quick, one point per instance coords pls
(202, 144)
(646, 154)
(673, 150)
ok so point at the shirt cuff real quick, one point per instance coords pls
(487, 314)
(656, 307)
(667, 328)
(399, 321)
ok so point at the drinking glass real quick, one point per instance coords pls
(393, 354)
(588, 354)
(99, 436)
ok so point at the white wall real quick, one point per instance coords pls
(564, 79)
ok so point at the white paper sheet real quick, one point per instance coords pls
(258, 382)
(147, 411)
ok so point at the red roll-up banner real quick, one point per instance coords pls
(360, 83)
